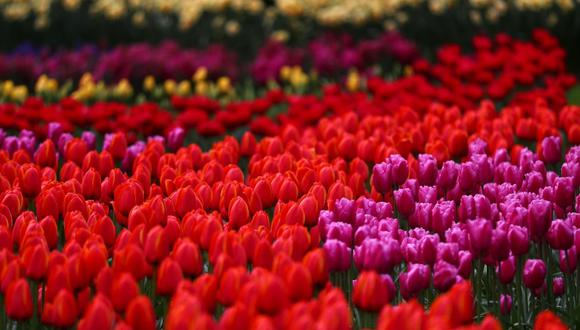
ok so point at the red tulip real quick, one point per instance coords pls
(124, 288)
(140, 314)
(168, 277)
(18, 301)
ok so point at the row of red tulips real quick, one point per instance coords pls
(508, 71)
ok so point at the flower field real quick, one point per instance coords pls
(289, 164)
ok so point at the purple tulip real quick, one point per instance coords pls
(468, 178)
(422, 216)
(447, 176)
(499, 248)
(534, 273)
(513, 175)
(381, 178)
(568, 260)
(338, 254)
(465, 264)
(448, 252)
(506, 270)
(551, 149)
(414, 280)
(380, 256)
(560, 235)
(480, 232)
(482, 206)
(533, 181)
(484, 166)
(428, 249)
(413, 185)
(405, 202)
(505, 304)
(539, 218)
(344, 210)
(563, 192)
(340, 231)
(427, 194)
(442, 217)
(477, 147)
(399, 169)
(518, 239)
(427, 170)
(466, 208)
(526, 160)
(572, 169)
(500, 156)
(90, 139)
(558, 286)
(175, 138)
(444, 275)
(54, 131)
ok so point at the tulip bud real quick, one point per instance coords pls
(29, 179)
(239, 213)
(568, 260)
(563, 192)
(499, 248)
(415, 280)
(168, 277)
(505, 303)
(518, 240)
(175, 138)
(427, 170)
(123, 290)
(480, 233)
(534, 273)
(339, 255)
(116, 144)
(551, 152)
(447, 175)
(381, 178)
(399, 169)
(140, 314)
(91, 184)
(539, 218)
(18, 300)
(444, 275)
(560, 235)
(506, 270)
(559, 286)
(405, 202)
(370, 292)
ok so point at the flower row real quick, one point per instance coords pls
(190, 239)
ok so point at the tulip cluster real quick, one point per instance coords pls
(135, 236)
(507, 223)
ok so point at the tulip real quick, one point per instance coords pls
(65, 309)
(447, 175)
(499, 248)
(559, 286)
(116, 144)
(299, 282)
(465, 264)
(30, 180)
(551, 146)
(415, 280)
(140, 314)
(539, 218)
(506, 270)
(239, 213)
(90, 139)
(18, 300)
(480, 233)
(370, 293)
(168, 277)
(518, 240)
(338, 254)
(560, 235)
(563, 191)
(427, 170)
(91, 184)
(444, 275)
(380, 256)
(381, 178)
(230, 285)
(568, 260)
(399, 169)
(505, 304)
(187, 255)
(175, 138)
(405, 202)
(123, 290)
(534, 273)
